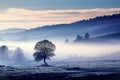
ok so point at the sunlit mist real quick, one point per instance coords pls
(63, 50)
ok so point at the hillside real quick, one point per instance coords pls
(96, 27)
(11, 30)
(112, 36)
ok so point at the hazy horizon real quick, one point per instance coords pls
(64, 51)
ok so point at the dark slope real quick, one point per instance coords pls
(113, 36)
(96, 27)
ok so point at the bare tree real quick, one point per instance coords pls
(44, 50)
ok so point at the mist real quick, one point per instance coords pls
(67, 50)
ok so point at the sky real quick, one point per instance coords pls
(35, 13)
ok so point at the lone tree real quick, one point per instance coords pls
(44, 50)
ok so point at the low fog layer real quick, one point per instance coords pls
(65, 51)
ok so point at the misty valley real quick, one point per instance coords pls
(76, 51)
(72, 59)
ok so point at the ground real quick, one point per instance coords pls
(64, 70)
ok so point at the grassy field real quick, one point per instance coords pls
(64, 70)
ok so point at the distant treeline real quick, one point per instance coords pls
(80, 38)
(17, 55)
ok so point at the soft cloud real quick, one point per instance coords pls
(24, 18)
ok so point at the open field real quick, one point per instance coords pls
(64, 70)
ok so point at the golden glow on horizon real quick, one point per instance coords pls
(24, 18)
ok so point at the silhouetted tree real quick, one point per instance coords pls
(44, 50)
(67, 41)
(4, 52)
(86, 36)
(78, 38)
(18, 55)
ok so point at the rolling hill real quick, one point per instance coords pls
(98, 26)
(109, 37)
(11, 30)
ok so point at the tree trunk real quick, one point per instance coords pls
(45, 62)
(45, 56)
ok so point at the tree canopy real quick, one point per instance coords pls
(44, 50)
(4, 52)
(86, 36)
(19, 55)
